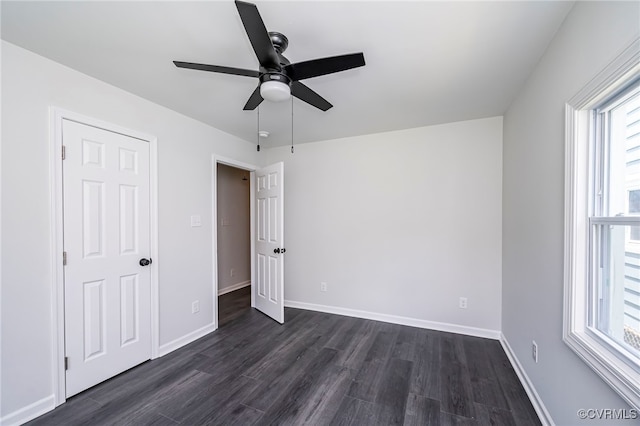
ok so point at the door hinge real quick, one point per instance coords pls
(64, 152)
(66, 363)
(64, 258)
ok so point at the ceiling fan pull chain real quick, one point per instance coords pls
(258, 130)
(292, 124)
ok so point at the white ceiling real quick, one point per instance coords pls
(427, 62)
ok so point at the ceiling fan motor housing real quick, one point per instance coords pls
(280, 41)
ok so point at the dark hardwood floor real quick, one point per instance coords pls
(316, 369)
(233, 305)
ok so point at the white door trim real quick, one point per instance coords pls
(56, 116)
(215, 160)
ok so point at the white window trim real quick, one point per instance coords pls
(599, 355)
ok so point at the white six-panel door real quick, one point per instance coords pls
(106, 234)
(269, 244)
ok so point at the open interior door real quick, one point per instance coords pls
(269, 244)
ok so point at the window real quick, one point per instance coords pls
(615, 274)
(602, 225)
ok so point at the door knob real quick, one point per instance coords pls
(145, 262)
(276, 250)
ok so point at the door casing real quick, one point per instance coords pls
(56, 116)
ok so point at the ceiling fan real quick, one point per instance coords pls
(279, 79)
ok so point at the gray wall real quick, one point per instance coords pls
(533, 202)
(400, 223)
(234, 239)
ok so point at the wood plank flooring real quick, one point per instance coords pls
(233, 305)
(316, 369)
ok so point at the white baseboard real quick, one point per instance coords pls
(538, 405)
(29, 412)
(234, 287)
(394, 319)
(185, 340)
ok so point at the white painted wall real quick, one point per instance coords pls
(30, 85)
(234, 226)
(400, 223)
(533, 200)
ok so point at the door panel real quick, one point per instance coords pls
(93, 319)
(129, 219)
(106, 232)
(130, 313)
(269, 289)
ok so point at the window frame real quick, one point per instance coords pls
(596, 349)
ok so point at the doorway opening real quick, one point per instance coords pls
(233, 200)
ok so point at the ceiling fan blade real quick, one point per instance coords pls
(254, 100)
(318, 67)
(258, 35)
(303, 93)
(216, 68)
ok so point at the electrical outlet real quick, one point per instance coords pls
(232, 272)
(323, 286)
(195, 307)
(534, 350)
(463, 303)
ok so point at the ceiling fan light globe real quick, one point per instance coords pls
(275, 91)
